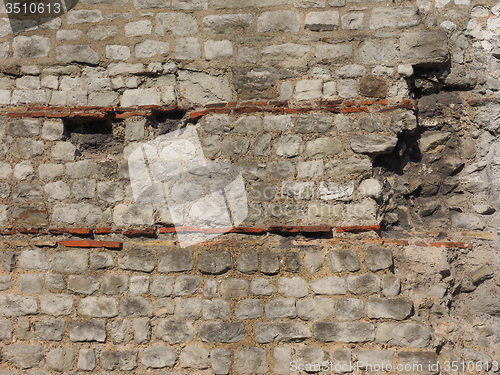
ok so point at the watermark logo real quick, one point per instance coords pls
(26, 15)
(170, 173)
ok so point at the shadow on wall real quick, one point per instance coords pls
(26, 15)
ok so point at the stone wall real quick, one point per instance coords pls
(365, 135)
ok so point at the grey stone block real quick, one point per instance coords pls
(281, 308)
(220, 360)
(403, 334)
(14, 305)
(34, 259)
(313, 261)
(6, 329)
(312, 124)
(234, 288)
(83, 284)
(5, 282)
(391, 286)
(90, 330)
(86, 359)
(158, 356)
(119, 360)
(369, 359)
(29, 283)
(195, 357)
(312, 356)
(175, 331)
(98, 307)
(120, 331)
(188, 308)
(281, 332)
(186, 285)
(215, 309)
(247, 263)
(373, 144)
(101, 260)
(139, 285)
(142, 330)
(349, 309)
(261, 287)
(378, 258)
(52, 330)
(329, 285)
(249, 309)
(222, 332)
(56, 304)
(137, 260)
(135, 306)
(393, 308)
(114, 284)
(270, 263)
(70, 261)
(55, 282)
(250, 361)
(24, 356)
(315, 308)
(293, 286)
(162, 286)
(363, 284)
(343, 260)
(164, 306)
(214, 263)
(344, 332)
(175, 261)
(291, 262)
(61, 359)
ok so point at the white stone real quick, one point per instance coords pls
(24, 171)
(138, 28)
(334, 191)
(307, 89)
(370, 188)
(136, 97)
(218, 49)
(116, 52)
(187, 49)
(150, 48)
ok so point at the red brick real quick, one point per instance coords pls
(350, 103)
(81, 231)
(248, 230)
(353, 110)
(103, 231)
(358, 228)
(420, 243)
(216, 230)
(112, 245)
(198, 114)
(367, 102)
(57, 231)
(248, 109)
(396, 242)
(216, 105)
(148, 232)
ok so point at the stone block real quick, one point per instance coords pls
(54, 281)
(363, 284)
(278, 21)
(428, 48)
(70, 261)
(14, 305)
(24, 171)
(98, 307)
(332, 285)
(218, 49)
(56, 304)
(328, 53)
(343, 260)
(142, 330)
(195, 357)
(188, 308)
(114, 284)
(24, 356)
(64, 151)
(187, 49)
(29, 283)
(79, 169)
(86, 359)
(175, 331)
(158, 356)
(261, 287)
(250, 361)
(24, 127)
(137, 260)
(203, 88)
(119, 360)
(289, 146)
(373, 144)
(379, 51)
(400, 18)
(281, 308)
(349, 309)
(138, 97)
(259, 82)
(313, 261)
(343, 332)
(30, 46)
(89, 330)
(133, 214)
(135, 306)
(139, 284)
(215, 309)
(61, 359)
(79, 16)
(79, 53)
(222, 332)
(378, 258)
(393, 308)
(215, 262)
(51, 330)
(403, 334)
(281, 332)
(249, 309)
(293, 286)
(227, 23)
(371, 359)
(50, 171)
(220, 360)
(186, 285)
(101, 260)
(322, 21)
(6, 329)
(315, 308)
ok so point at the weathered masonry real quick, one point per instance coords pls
(367, 136)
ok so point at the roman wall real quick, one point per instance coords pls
(249, 187)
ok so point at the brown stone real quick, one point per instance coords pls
(373, 87)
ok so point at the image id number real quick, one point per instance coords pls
(33, 8)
